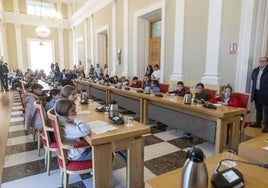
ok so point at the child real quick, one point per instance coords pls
(180, 91)
(32, 118)
(73, 129)
(155, 86)
(200, 95)
(135, 82)
(226, 97)
(69, 92)
(54, 96)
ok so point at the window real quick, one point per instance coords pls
(37, 8)
(156, 29)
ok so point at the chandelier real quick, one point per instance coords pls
(42, 30)
(53, 16)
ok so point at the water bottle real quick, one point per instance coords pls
(194, 173)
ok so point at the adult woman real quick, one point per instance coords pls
(149, 71)
(226, 97)
(73, 129)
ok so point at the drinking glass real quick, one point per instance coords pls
(231, 155)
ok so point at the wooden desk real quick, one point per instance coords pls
(252, 149)
(103, 145)
(254, 176)
(210, 124)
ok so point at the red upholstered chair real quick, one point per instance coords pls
(48, 145)
(211, 93)
(67, 166)
(163, 87)
(243, 99)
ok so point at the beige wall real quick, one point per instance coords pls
(195, 39)
(120, 32)
(11, 46)
(229, 34)
(7, 5)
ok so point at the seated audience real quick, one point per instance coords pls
(180, 91)
(200, 95)
(69, 92)
(54, 96)
(124, 81)
(155, 86)
(73, 129)
(135, 82)
(32, 118)
(226, 97)
(146, 82)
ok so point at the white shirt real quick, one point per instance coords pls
(156, 75)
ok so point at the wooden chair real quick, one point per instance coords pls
(163, 87)
(211, 93)
(67, 166)
(48, 145)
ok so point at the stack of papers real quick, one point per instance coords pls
(99, 127)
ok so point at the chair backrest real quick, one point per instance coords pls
(163, 87)
(42, 112)
(243, 99)
(211, 93)
(58, 136)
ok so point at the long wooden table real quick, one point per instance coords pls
(254, 176)
(103, 146)
(209, 124)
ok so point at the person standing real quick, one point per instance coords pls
(259, 93)
(3, 75)
(156, 74)
(98, 70)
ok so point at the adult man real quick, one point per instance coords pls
(259, 93)
(98, 70)
(156, 73)
(3, 75)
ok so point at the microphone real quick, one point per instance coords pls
(264, 165)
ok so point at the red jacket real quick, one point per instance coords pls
(232, 102)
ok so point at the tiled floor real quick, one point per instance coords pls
(165, 149)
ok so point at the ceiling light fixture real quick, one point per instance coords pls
(53, 17)
(42, 30)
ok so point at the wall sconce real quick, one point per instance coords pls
(118, 54)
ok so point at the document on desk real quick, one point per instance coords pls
(84, 112)
(99, 127)
(265, 148)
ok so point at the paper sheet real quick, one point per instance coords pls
(265, 148)
(99, 127)
(84, 112)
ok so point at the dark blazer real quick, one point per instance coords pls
(263, 92)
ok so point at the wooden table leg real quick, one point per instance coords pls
(234, 136)
(135, 168)
(102, 166)
(221, 136)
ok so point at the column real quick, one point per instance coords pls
(19, 46)
(125, 49)
(91, 23)
(4, 51)
(71, 47)
(61, 48)
(211, 76)
(16, 6)
(178, 46)
(252, 41)
(113, 39)
(86, 44)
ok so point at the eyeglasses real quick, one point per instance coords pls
(262, 61)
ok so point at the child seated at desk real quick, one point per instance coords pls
(200, 95)
(73, 129)
(155, 86)
(226, 97)
(180, 91)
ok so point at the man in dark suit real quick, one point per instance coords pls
(259, 93)
(3, 75)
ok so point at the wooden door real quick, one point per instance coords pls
(155, 42)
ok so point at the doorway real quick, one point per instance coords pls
(155, 42)
(41, 55)
(102, 48)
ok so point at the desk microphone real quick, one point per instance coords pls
(230, 177)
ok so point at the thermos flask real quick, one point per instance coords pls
(194, 173)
